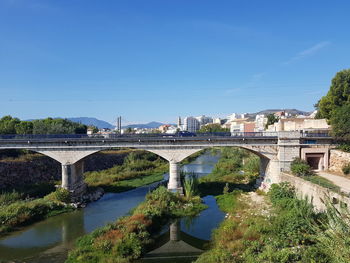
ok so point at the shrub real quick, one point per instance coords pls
(60, 195)
(300, 167)
(346, 169)
(344, 147)
(281, 191)
(8, 198)
(191, 185)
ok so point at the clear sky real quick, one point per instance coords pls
(157, 59)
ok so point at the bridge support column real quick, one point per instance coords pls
(269, 173)
(174, 184)
(72, 179)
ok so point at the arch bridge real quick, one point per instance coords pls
(276, 151)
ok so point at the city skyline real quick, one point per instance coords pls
(159, 60)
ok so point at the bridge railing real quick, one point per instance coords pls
(42, 136)
(324, 134)
(144, 135)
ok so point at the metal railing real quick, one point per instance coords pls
(159, 135)
(142, 135)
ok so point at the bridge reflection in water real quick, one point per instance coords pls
(175, 245)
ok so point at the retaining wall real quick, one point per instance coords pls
(314, 192)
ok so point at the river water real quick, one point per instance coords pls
(48, 241)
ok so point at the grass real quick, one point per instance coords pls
(16, 212)
(139, 168)
(236, 166)
(250, 236)
(321, 181)
(127, 238)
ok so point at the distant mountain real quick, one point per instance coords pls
(290, 111)
(150, 125)
(92, 122)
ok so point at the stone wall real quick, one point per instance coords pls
(313, 192)
(337, 160)
(36, 168)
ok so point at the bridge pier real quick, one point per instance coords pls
(174, 183)
(73, 180)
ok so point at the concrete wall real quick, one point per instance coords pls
(38, 168)
(338, 159)
(312, 191)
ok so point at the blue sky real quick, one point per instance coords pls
(158, 59)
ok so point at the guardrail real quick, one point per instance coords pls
(314, 135)
(142, 135)
(158, 135)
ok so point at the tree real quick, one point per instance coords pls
(24, 127)
(8, 125)
(215, 127)
(340, 121)
(271, 119)
(337, 96)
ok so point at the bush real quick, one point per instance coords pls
(346, 169)
(60, 195)
(8, 198)
(300, 167)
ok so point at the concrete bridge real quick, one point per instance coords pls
(276, 151)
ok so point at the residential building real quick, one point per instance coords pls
(260, 122)
(203, 120)
(191, 124)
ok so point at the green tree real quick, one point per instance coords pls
(8, 125)
(24, 127)
(271, 119)
(337, 96)
(215, 127)
(340, 121)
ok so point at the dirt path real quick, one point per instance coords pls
(340, 181)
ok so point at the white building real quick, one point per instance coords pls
(191, 124)
(203, 120)
(260, 122)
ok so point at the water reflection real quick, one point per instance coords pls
(185, 239)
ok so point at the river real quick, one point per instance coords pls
(50, 240)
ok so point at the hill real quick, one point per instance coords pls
(92, 122)
(150, 125)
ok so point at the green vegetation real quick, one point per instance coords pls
(16, 211)
(335, 106)
(10, 125)
(271, 119)
(215, 127)
(322, 182)
(235, 166)
(337, 96)
(290, 232)
(346, 169)
(191, 185)
(228, 202)
(300, 167)
(127, 238)
(340, 121)
(139, 168)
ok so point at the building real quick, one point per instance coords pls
(164, 128)
(191, 124)
(260, 122)
(203, 120)
(299, 124)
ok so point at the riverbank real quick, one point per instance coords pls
(16, 212)
(32, 203)
(128, 238)
(278, 227)
(138, 168)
